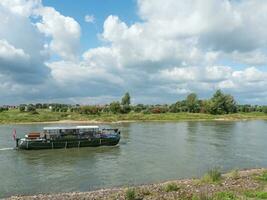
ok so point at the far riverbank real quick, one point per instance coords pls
(46, 116)
(243, 184)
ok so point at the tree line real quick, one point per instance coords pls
(220, 103)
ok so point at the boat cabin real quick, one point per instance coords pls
(71, 132)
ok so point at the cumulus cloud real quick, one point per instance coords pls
(21, 55)
(176, 48)
(65, 32)
(180, 45)
(22, 7)
(9, 52)
(23, 48)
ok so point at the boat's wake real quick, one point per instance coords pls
(6, 149)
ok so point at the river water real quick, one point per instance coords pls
(148, 152)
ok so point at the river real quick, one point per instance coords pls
(148, 152)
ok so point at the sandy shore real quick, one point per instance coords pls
(127, 121)
(237, 184)
(75, 122)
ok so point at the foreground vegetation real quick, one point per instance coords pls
(45, 115)
(236, 185)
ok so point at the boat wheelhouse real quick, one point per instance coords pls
(69, 137)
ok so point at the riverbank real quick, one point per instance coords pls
(244, 184)
(46, 116)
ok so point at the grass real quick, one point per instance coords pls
(263, 177)
(216, 196)
(15, 116)
(212, 176)
(130, 194)
(256, 194)
(171, 187)
(225, 196)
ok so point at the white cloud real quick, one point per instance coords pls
(89, 18)
(65, 32)
(255, 57)
(206, 74)
(9, 52)
(178, 47)
(22, 7)
(68, 73)
(22, 55)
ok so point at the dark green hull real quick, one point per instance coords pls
(67, 143)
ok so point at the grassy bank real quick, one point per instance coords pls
(236, 185)
(15, 116)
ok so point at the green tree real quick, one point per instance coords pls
(126, 99)
(174, 108)
(115, 107)
(38, 106)
(30, 108)
(192, 103)
(230, 104)
(221, 104)
(125, 109)
(22, 107)
(125, 102)
(138, 108)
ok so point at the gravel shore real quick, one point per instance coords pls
(184, 189)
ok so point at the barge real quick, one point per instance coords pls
(69, 137)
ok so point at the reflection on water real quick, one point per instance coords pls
(148, 152)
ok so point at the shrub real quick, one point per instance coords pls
(89, 110)
(115, 107)
(170, 187)
(213, 175)
(158, 110)
(146, 111)
(138, 108)
(34, 112)
(130, 194)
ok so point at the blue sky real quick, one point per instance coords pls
(158, 52)
(100, 9)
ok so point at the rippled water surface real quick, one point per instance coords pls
(148, 152)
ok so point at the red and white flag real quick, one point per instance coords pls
(14, 134)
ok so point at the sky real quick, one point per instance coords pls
(93, 51)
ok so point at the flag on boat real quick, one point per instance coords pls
(14, 134)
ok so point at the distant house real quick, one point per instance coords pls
(9, 107)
